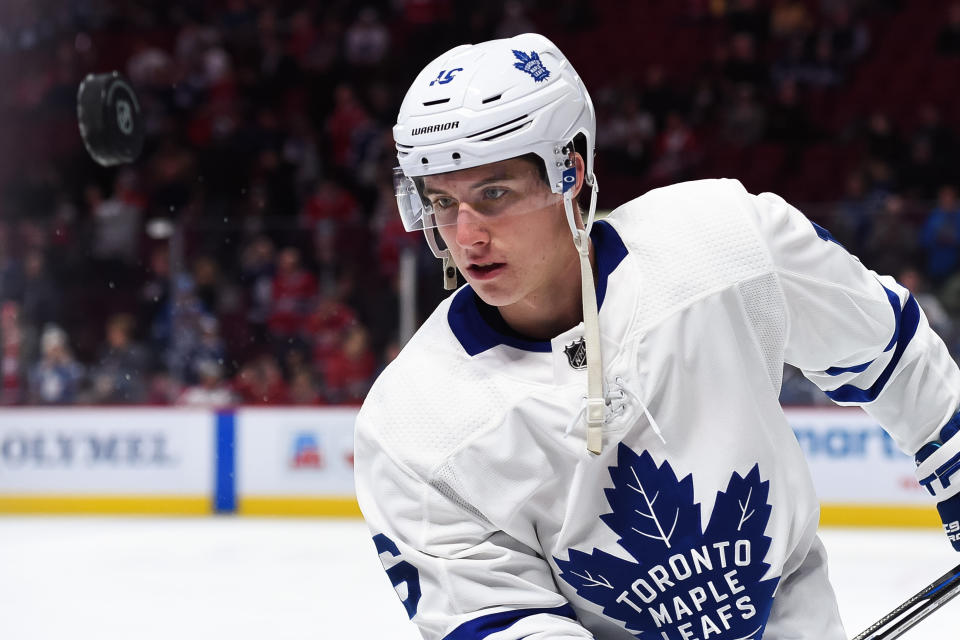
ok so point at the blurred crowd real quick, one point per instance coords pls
(251, 255)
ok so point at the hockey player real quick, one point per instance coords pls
(585, 440)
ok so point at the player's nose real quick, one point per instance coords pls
(471, 231)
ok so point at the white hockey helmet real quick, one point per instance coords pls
(493, 101)
(487, 102)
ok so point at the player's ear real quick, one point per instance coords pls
(581, 172)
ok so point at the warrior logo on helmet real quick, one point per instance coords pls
(531, 64)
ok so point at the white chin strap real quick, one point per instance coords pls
(591, 321)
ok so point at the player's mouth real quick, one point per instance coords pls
(486, 270)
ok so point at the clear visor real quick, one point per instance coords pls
(442, 200)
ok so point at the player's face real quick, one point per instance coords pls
(506, 231)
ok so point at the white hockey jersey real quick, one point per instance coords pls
(698, 520)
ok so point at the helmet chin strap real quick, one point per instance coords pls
(591, 321)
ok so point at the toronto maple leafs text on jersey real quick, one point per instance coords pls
(698, 519)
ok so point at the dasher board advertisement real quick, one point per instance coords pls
(853, 460)
(295, 452)
(112, 451)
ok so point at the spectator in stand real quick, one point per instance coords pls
(379, 153)
(883, 142)
(300, 150)
(948, 40)
(921, 175)
(57, 377)
(789, 124)
(278, 71)
(745, 119)
(12, 354)
(327, 327)
(343, 127)
(367, 40)
(325, 52)
(658, 96)
(116, 241)
(937, 316)
(390, 353)
(66, 247)
(677, 151)
(155, 310)
(40, 299)
(392, 238)
(790, 19)
(349, 371)
(941, 236)
(260, 381)
(823, 69)
(789, 65)
(149, 65)
(209, 347)
(514, 20)
(302, 34)
(257, 268)
(211, 390)
(292, 293)
(206, 282)
(11, 269)
(750, 17)
(630, 134)
(931, 129)
(162, 389)
(187, 313)
(849, 36)
(852, 215)
(120, 374)
(328, 213)
(889, 243)
(303, 389)
(744, 65)
(788, 121)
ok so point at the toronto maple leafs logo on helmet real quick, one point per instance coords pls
(531, 63)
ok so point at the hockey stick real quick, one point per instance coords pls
(915, 609)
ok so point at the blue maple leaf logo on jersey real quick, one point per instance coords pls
(686, 583)
(532, 64)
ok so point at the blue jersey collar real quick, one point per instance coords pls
(476, 335)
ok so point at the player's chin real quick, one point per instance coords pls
(496, 292)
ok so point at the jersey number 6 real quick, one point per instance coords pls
(402, 572)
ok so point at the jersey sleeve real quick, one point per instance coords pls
(859, 336)
(457, 576)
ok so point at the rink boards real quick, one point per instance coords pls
(299, 461)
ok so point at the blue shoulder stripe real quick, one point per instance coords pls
(489, 624)
(825, 235)
(897, 313)
(906, 331)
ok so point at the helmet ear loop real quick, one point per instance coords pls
(591, 180)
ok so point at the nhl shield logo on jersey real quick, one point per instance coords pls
(531, 63)
(577, 354)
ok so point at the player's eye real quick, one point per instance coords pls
(442, 202)
(494, 193)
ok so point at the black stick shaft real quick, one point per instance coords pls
(895, 623)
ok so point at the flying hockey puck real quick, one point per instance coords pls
(110, 119)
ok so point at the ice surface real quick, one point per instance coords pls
(277, 579)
